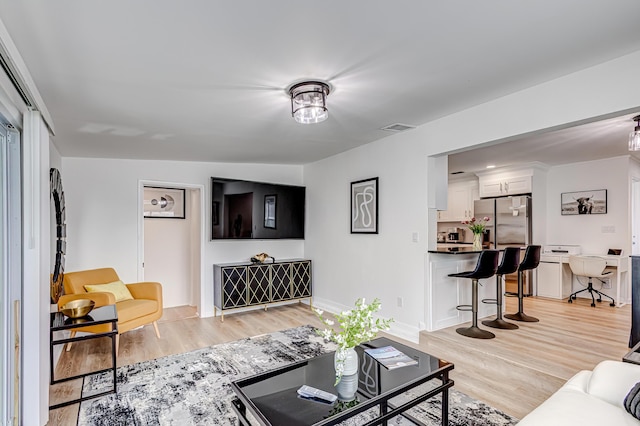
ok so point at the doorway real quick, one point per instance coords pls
(171, 249)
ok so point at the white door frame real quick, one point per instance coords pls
(141, 185)
(10, 276)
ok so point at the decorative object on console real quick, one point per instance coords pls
(364, 206)
(57, 194)
(584, 202)
(356, 326)
(477, 226)
(262, 257)
(166, 203)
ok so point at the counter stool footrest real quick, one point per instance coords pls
(464, 307)
(490, 301)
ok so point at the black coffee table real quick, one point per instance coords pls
(272, 400)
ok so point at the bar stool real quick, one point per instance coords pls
(508, 265)
(531, 261)
(485, 268)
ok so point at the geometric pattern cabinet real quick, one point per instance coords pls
(239, 285)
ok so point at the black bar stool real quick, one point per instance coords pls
(508, 265)
(531, 261)
(485, 268)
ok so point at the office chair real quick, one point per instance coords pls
(485, 268)
(590, 267)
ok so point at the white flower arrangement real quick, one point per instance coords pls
(356, 326)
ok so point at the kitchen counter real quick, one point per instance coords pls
(461, 249)
(444, 293)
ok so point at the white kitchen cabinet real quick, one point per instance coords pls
(460, 202)
(500, 186)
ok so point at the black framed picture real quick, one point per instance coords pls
(165, 203)
(364, 206)
(270, 211)
(584, 202)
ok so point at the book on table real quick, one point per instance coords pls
(391, 357)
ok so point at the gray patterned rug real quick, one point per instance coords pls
(194, 388)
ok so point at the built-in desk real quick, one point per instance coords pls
(561, 285)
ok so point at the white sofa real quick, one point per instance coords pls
(590, 398)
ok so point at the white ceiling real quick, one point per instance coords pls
(205, 80)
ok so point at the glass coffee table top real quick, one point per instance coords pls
(272, 397)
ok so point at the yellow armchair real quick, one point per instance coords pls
(144, 308)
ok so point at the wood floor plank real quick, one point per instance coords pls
(514, 372)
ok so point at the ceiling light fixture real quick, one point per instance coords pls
(309, 101)
(634, 137)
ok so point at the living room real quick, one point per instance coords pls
(102, 196)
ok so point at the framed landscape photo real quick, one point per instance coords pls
(364, 206)
(584, 202)
(165, 203)
(270, 211)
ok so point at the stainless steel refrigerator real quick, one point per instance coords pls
(509, 226)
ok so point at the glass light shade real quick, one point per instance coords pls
(309, 102)
(634, 140)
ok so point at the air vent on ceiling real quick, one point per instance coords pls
(457, 173)
(398, 127)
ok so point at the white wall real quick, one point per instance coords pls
(586, 230)
(389, 265)
(102, 213)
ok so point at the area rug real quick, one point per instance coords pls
(194, 388)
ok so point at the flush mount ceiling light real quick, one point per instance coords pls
(634, 137)
(309, 101)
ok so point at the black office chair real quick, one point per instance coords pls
(508, 265)
(485, 268)
(531, 261)
(590, 267)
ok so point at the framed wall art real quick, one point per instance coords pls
(584, 202)
(364, 206)
(166, 203)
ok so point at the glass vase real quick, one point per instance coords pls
(346, 366)
(477, 242)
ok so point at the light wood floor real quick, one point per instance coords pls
(514, 372)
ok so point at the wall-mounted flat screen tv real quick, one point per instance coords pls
(243, 209)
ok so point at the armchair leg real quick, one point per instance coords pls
(117, 342)
(155, 326)
(73, 334)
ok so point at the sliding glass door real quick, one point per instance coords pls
(10, 274)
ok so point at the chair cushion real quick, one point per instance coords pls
(133, 309)
(118, 288)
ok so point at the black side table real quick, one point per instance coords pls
(102, 315)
